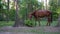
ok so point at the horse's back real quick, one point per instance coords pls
(42, 12)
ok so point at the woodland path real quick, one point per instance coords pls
(30, 30)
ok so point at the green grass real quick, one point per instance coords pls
(54, 23)
(5, 23)
(37, 31)
(10, 23)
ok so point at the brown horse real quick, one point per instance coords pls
(40, 14)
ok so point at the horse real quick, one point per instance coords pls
(40, 14)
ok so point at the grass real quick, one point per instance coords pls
(54, 23)
(10, 23)
(5, 23)
(36, 31)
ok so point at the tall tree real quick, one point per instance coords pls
(46, 4)
(18, 21)
(8, 10)
(29, 7)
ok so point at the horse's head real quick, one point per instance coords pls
(30, 15)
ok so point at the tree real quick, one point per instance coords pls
(8, 10)
(46, 4)
(18, 21)
(2, 9)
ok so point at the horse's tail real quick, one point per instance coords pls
(51, 17)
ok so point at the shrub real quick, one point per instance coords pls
(29, 23)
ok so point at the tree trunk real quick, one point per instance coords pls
(7, 11)
(29, 7)
(18, 21)
(46, 4)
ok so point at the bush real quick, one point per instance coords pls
(29, 23)
(55, 15)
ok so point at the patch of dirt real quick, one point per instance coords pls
(26, 30)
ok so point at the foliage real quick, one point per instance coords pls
(58, 10)
(26, 6)
(4, 23)
(29, 23)
(12, 15)
(23, 8)
(54, 7)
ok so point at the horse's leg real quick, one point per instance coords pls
(39, 21)
(35, 22)
(48, 23)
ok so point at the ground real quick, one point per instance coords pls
(6, 28)
(30, 30)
